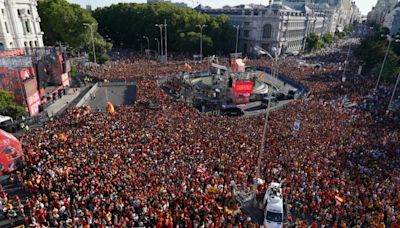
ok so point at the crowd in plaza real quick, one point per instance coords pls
(176, 167)
(135, 67)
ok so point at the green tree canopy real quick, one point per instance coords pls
(64, 22)
(314, 42)
(372, 51)
(9, 107)
(327, 38)
(127, 23)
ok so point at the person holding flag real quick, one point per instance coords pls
(111, 109)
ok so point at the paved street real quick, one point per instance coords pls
(59, 104)
(118, 95)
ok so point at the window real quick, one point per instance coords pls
(28, 29)
(6, 25)
(36, 44)
(29, 12)
(25, 44)
(30, 44)
(19, 12)
(267, 31)
(246, 33)
(2, 11)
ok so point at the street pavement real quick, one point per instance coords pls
(65, 100)
(117, 95)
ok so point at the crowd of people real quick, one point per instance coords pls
(176, 167)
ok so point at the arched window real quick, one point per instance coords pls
(267, 31)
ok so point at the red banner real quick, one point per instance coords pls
(33, 103)
(243, 87)
(15, 52)
(10, 152)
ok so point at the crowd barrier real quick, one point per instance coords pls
(88, 95)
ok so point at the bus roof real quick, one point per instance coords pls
(5, 118)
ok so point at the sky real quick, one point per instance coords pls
(364, 5)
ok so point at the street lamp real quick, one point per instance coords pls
(264, 134)
(148, 42)
(201, 39)
(92, 32)
(166, 40)
(345, 64)
(390, 39)
(161, 40)
(158, 45)
(237, 27)
(393, 93)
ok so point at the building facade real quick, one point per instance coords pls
(338, 13)
(19, 24)
(392, 20)
(380, 10)
(274, 26)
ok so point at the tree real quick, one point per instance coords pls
(373, 62)
(127, 23)
(9, 107)
(64, 22)
(328, 38)
(314, 42)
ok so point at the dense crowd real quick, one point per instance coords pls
(141, 68)
(176, 167)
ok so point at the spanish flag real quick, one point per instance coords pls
(188, 67)
(111, 109)
(339, 199)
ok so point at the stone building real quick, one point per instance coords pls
(392, 20)
(380, 10)
(19, 24)
(273, 26)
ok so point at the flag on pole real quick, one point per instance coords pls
(339, 199)
(188, 67)
(111, 109)
(296, 125)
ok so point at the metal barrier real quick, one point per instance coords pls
(116, 83)
(87, 96)
(302, 89)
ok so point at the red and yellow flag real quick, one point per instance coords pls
(111, 109)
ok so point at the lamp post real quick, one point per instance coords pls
(237, 27)
(273, 69)
(166, 40)
(264, 134)
(148, 42)
(393, 93)
(201, 39)
(345, 64)
(161, 40)
(158, 45)
(390, 39)
(92, 34)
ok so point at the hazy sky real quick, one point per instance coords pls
(364, 5)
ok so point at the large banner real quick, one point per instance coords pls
(243, 87)
(11, 154)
